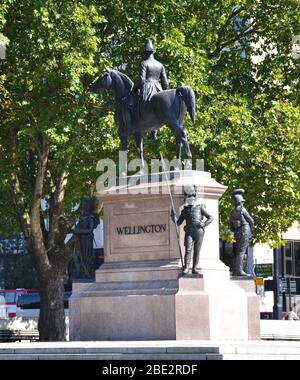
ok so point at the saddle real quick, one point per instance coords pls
(136, 108)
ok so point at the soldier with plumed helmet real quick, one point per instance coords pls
(84, 259)
(241, 224)
(197, 217)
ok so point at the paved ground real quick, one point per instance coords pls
(152, 350)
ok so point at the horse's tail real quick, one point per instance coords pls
(188, 97)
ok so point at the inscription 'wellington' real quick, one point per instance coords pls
(146, 229)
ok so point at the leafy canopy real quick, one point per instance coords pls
(247, 126)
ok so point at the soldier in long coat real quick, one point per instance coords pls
(241, 224)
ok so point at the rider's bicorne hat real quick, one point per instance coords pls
(148, 46)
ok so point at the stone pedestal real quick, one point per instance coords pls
(139, 292)
(252, 307)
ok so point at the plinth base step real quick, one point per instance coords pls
(154, 350)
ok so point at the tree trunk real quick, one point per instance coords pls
(49, 254)
(51, 324)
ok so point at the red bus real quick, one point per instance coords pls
(8, 301)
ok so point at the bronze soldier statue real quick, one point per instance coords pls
(241, 224)
(193, 213)
(84, 231)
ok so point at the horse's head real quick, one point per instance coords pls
(104, 82)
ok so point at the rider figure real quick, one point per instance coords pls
(153, 79)
(152, 73)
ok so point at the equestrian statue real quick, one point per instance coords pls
(149, 104)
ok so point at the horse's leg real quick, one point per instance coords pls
(181, 138)
(139, 147)
(178, 144)
(187, 151)
(123, 142)
(184, 139)
(123, 155)
(128, 122)
(122, 132)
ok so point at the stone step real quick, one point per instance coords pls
(108, 356)
(152, 350)
(155, 270)
(109, 289)
(280, 330)
(138, 271)
(111, 350)
(258, 357)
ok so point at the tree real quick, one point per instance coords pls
(53, 130)
(48, 142)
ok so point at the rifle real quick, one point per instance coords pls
(173, 208)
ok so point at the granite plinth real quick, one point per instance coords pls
(139, 292)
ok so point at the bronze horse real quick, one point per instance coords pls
(164, 108)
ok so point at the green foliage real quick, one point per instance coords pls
(17, 270)
(247, 126)
(4, 5)
(49, 64)
(261, 156)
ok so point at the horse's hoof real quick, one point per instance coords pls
(188, 164)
